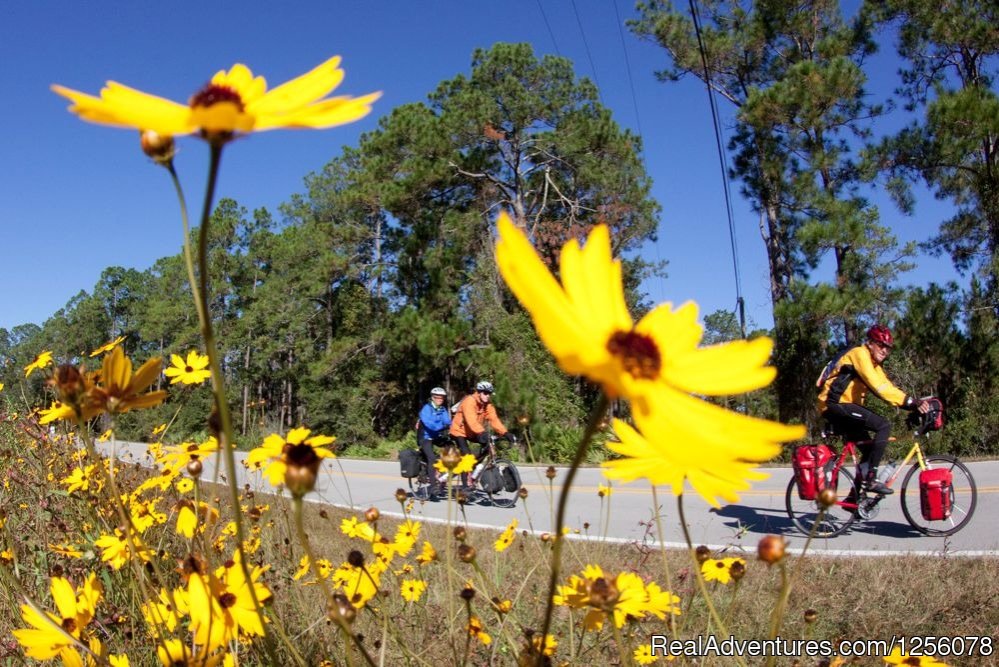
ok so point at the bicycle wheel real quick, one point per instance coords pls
(419, 486)
(508, 494)
(963, 497)
(837, 518)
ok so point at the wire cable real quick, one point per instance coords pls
(586, 47)
(739, 301)
(627, 63)
(548, 25)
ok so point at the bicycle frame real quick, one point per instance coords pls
(850, 447)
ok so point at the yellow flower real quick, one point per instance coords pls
(81, 479)
(115, 549)
(428, 555)
(192, 371)
(166, 612)
(119, 390)
(56, 411)
(412, 589)
(719, 569)
(477, 630)
(222, 604)
(1, 386)
(506, 537)
(896, 657)
(184, 485)
(105, 436)
(188, 519)
(144, 514)
(233, 101)
(174, 652)
(159, 429)
(273, 453)
(41, 361)
(176, 457)
(305, 567)
(49, 634)
(547, 647)
(657, 363)
(643, 655)
(359, 584)
(466, 464)
(67, 550)
(603, 491)
(623, 597)
(107, 347)
(353, 528)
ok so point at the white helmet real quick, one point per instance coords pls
(438, 391)
(484, 386)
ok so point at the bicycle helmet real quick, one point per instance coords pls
(438, 391)
(880, 334)
(485, 387)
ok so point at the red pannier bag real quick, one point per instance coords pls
(935, 487)
(810, 469)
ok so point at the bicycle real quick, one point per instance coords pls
(495, 479)
(853, 502)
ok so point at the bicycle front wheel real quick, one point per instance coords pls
(963, 497)
(506, 496)
(806, 514)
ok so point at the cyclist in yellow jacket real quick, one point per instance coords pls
(844, 389)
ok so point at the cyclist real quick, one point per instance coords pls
(844, 386)
(435, 419)
(474, 413)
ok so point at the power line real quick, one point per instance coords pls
(549, 26)
(739, 301)
(586, 46)
(627, 63)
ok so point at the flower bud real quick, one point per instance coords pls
(372, 514)
(827, 498)
(450, 457)
(550, 472)
(523, 420)
(194, 468)
(459, 533)
(355, 558)
(302, 469)
(70, 383)
(466, 553)
(159, 147)
(737, 570)
(467, 593)
(602, 594)
(771, 548)
(341, 606)
(401, 495)
(702, 553)
(811, 615)
(522, 492)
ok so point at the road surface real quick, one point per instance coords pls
(359, 484)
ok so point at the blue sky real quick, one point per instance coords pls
(77, 198)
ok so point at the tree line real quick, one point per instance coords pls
(342, 309)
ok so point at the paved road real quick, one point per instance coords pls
(360, 484)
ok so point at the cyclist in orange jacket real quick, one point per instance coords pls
(474, 413)
(844, 387)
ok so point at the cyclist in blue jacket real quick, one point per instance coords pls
(435, 420)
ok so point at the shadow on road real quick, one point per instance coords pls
(767, 520)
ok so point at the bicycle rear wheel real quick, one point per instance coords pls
(805, 514)
(963, 497)
(508, 494)
(419, 486)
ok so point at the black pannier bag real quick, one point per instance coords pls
(409, 463)
(511, 479)
(491, 480)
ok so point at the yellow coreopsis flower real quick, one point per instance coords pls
(477, 629)
(506, 537)
(896, 657)
(623, 597)
(465, 464)
(305, 567)
(412, 589)
(657, 363)
(719, 570)
(188, 519)
(56, 411)
(165, 612)
(107, 347)
(51, 634)
(194, 370)
(222, 605)
(66, 549)
(272, 454)
(428, 555)
(232, 102)
(41, 361)
(121, 391)
(115, 548)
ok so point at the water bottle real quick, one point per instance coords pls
(478, 469)
(886, 471)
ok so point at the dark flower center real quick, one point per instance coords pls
(69, 625)
(227, 600)
(638, 353)
(213, 94)
(301, 455)
(188, 369)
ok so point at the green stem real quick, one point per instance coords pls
(662, 550)
(700, 577)
(563, 500)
